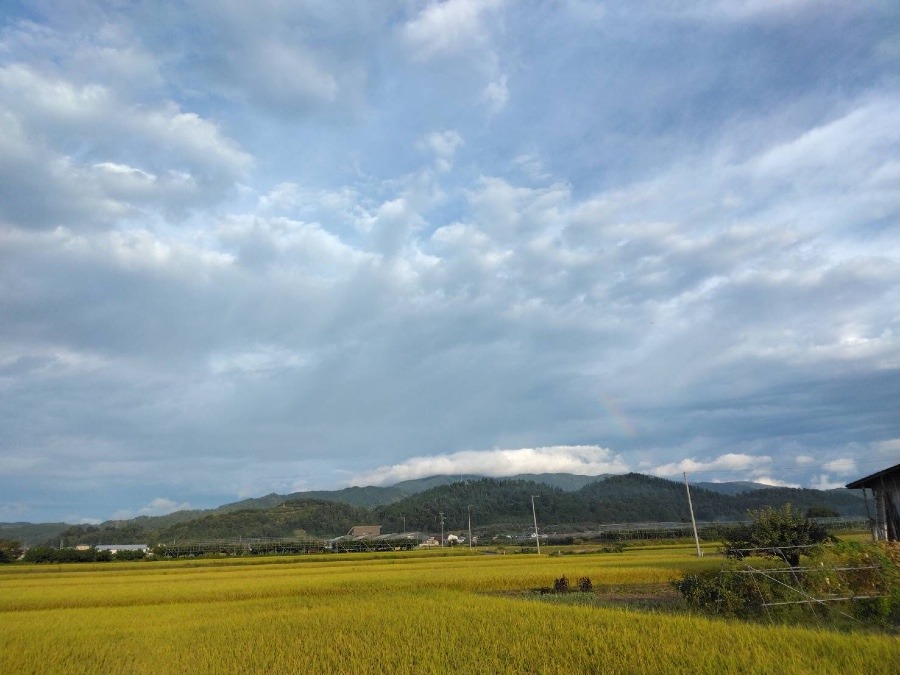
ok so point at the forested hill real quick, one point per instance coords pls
(617, 499)
(492, 503)
(31, 533)
(635, 497)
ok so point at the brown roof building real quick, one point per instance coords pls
(885, 488)
(365, 531)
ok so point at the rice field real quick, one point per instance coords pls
(421, 612)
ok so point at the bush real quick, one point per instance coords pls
(585, 585)
(724, 592)
(846, 570)
(46, 554)
(129, 555)
(40, 554)
(561, 585)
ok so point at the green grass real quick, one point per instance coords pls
(420, 612)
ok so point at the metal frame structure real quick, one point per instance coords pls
(385, 542)
(254, 546)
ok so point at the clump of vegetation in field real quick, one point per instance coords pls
(784, 567)
(563, 585)
(849, 583)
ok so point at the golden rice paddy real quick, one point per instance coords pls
(421, 612)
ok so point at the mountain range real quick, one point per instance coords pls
(564, 502)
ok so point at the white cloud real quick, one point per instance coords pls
(844, 466)
(136, 250)
(286, 72)
(532, 166)
(496, 94)
(726, 462)
(774, 482)
(70, 151)
(448, 27)
(578, 459)
(889, 447)
(824, 482)
(261, 359)
(59, 110)
(851, 140)
(508, 211)
(80, 520)
(443, 144)
(307, 249)
(804, 460)
(160, 506)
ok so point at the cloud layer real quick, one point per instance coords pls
(246, 250)
(583, 460)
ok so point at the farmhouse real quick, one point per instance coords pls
(885, 488)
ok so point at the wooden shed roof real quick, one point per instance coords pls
(875, 479)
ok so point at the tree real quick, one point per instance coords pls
(9, 550)
(775, 532)
(40, 554)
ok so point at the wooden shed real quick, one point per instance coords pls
(885, 488)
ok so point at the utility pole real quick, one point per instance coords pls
(537, 537)
(470, 525)
(404, 524)
(693, 522)
(441, 513)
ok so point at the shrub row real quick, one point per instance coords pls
(45, 554)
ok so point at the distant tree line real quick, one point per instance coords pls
(48, 554)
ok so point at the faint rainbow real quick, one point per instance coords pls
(621, 419)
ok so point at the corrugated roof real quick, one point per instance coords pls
(870, 481)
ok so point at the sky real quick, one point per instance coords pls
(272, 246)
